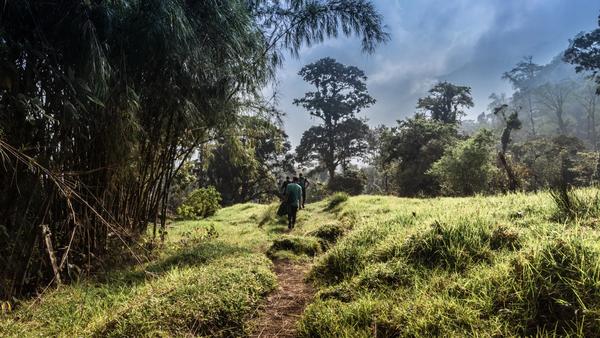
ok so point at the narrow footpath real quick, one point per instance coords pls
(284, 306)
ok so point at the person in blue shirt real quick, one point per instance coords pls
(293, 197)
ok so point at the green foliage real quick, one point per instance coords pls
(412, 148)
(336, 199)
(350, 181)
(244, 164)
(449, 247)
(201, 203)
(445, 102)
(492, 266)
(341, 93)
(583, 53)
(111, 96)
(468, 167)
(550, 162)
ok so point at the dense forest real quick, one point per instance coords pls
(119, 116)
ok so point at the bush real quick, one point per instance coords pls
(468, 167)
(337, 199)
(351, 182)
(201, 203)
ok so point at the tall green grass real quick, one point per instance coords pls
(480, 266)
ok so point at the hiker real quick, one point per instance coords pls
(284, 185)
(293, 197)
(304, 183)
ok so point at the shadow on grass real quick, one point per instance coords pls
(198, 254)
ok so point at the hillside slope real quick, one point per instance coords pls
(382, 266)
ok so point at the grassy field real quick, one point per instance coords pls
(383, 266)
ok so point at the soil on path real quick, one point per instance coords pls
(284, 306)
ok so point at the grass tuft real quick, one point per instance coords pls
(556, 287)
(328, 234)
(336, 199)
(449, 247)
(573, 206)
(298, 245)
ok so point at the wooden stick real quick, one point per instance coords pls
(48, 241)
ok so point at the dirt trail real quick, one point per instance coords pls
(283, 308)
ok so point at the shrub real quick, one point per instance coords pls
(299, 245)
(201, 203)
(351, 182)
(556, 288)
(337, 199)
(468, 167)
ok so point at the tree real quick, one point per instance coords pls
(466, 168)
(446, 101)
(584, 52)
(521, 77)
(245, 162)
(412, 147)
(589, 100)
(511, 123)
(554, 96)
(341, 93)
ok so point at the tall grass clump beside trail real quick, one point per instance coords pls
(452, 247)
(449, 247)
(556, 288)
(298, 245)
(347, 257)
(336, 199)
(571, 205)
(211, 301)
(328, 234)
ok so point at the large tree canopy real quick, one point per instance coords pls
(341, 93)
(584, 53)
(446, 101)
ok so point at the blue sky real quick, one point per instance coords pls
(468, 42)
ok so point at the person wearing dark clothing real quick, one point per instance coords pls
(284, 184)
(304, 183)
(293, 197)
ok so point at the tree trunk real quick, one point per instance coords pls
(533, 133)
(561, 122)
(513, 184)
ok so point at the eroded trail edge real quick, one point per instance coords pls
(284, 306)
